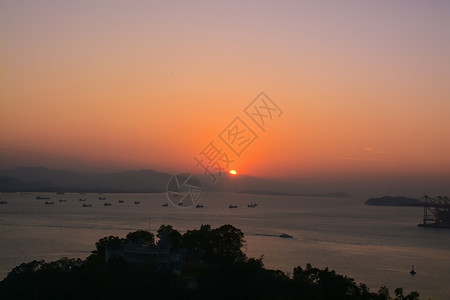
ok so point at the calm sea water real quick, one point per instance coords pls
(374, 245)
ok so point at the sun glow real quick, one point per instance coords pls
(233, 172)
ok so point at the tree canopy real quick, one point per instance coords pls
(141, 237)
(222, 271)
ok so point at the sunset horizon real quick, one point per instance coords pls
(280, 118)
(350, 105)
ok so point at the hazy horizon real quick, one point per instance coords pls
(353, 186)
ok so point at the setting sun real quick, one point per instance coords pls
(233, 172)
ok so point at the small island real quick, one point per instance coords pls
(394, 201)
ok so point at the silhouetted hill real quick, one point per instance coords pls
(10, 183)
(245, 184)
(393, 201)
(40, 179)
(271, 193)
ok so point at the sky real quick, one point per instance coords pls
(362, 88)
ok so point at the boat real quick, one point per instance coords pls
(252, 205)
(232, 206)
(86, 205)
(137, 202)
(42, 198)
(62, 200)
(107, 204)
(285, 236)
(165, 204)
(412, 272)
(49, 203)
(199, 206)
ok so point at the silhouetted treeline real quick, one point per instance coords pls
(215, 267)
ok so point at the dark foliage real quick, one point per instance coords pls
(173, 236)
(216, 268)
(107, 242)
(223, 244)
(141, 237)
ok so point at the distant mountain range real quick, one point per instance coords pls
(394, 201)
(41, 179)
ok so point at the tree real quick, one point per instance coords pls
(141, 237)
(411, 296)
(172, 235)
(41, 280)
(383, 293)
(106, 242)
(26, 268)
(63, 264)
(227, 242)
(318, 283)
(198, 242)
(222, 244)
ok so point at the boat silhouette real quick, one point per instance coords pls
(285, 235)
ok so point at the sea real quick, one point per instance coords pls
(374, 245)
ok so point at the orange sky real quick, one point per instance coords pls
(363, 87)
